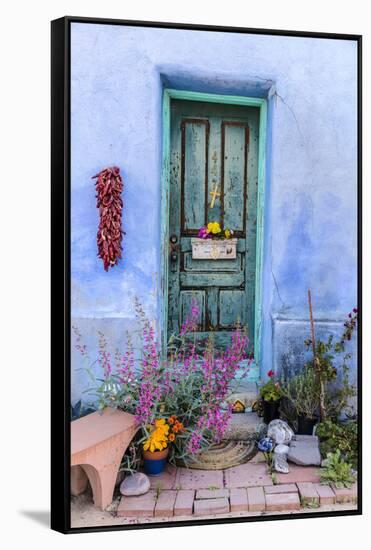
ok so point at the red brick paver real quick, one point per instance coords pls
(165, 504)
(247, 475)
(345, 495)
(282, 501)
(325, 493)
(199, 479)
(284, 488)
(212, 493)
(184, 502)
(211, 506)
(256, 499)
(238, 500)
(142, 506)
(166, 480)
(248, 487)
(308, 494)
(298, 474)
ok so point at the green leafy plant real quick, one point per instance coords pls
(302, 391)
(79, 409)
(339, 435)
(271, 390)
(336, 471)
(132, 458)
(338, 391)
(332, 398)
(323, 388)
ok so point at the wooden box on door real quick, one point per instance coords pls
(207, 249)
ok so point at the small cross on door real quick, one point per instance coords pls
(214, 193)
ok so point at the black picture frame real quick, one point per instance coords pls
(61, 277)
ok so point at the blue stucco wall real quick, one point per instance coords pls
(117, 78)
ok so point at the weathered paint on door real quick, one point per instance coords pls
(214, 147)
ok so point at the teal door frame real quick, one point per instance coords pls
(261, 104)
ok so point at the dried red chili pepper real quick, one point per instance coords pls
(109, 187)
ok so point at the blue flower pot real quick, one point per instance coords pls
(155, 462)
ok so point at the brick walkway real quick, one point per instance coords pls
(180, 492)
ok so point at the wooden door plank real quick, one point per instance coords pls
(194, 182)
(234, 174)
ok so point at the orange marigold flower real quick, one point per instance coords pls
(171, 437)
(180, 426)
(175, 428)
(171, 420)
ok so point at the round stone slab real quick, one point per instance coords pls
(135, 485)
(225, 455)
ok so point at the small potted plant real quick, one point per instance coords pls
(303, 392)
(156, 445)
(270, 394)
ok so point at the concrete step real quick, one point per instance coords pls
(242, 426)
(245, 392)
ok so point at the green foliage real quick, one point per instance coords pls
(336, 471)
(339, 393)
(80, 409)
(308, 502)
(324, 357)
(323, 387)
(341, 436)
(302, 391)
(271, 391)
(132, 458)
(338, 390)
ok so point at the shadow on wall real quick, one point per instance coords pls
(289, 351)
(216, 83)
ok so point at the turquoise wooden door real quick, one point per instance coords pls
(214, 147)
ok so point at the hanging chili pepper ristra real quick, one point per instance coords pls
(109, 187)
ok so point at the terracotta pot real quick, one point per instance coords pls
(154, 462)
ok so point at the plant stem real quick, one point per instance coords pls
(316, 363)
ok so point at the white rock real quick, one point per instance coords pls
(280, 432)
(304, 450)
(280, 463)
(135, 485)
(281, 449)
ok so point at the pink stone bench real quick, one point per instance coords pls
(98, 443)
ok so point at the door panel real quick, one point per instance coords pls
(186, 298)
(213, 177)
(235, 139)
(232, 308)
(194, 170)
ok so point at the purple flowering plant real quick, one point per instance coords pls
(191, 383)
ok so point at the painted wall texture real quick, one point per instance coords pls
(118, 76)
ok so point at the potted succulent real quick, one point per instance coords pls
(303, 393)
(156, 445)
(270, 394)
